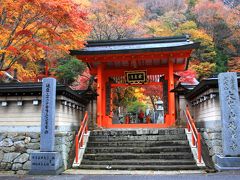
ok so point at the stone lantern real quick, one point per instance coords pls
(159, 113)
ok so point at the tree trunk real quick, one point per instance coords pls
(152, 101)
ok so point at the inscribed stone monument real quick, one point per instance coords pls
(47, 161)
(48, 114)
(230, 116)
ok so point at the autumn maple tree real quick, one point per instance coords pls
(31, 30)
(234, 64)
(154, 93)
(187, 76)
(113, 19)
(84, 81)
(221, 20)
(212, 16)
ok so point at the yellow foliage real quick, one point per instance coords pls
(24, 73)
(186, 26)
(135, 14)
(203, 69)
(157, 28)
(206, 52)
(139, 94)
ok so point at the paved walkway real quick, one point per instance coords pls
(150, 175)
(122, 172)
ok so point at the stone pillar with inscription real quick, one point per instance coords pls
(47, 161)
(230, 116)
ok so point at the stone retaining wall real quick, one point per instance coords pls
(15, 149)
(213, 139)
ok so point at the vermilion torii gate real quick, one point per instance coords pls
(157, 57)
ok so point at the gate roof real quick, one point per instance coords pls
(144, 52)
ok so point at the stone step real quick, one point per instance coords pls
(162, 155)
(140, 167)
(93, 150)
(138, 143)
(138, 149)
(167, 131)
(141, 162)
(138, 138)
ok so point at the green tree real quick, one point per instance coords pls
(190, 7)
(221, 62)
(68, 69)
(135, 106)
(173, 20)
(122, 96)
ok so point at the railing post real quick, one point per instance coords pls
(199, 146)
(83, 130)
(81, 142)
(193, 139)
(197, 141)
(86, 129)
(188, 127)
(76, 148)
(186, 108)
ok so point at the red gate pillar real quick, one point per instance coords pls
(171, 97)
(104, 79)
(100, 94)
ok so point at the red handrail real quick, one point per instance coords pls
(196, 136)
(79, 136)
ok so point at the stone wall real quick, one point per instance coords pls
(213, 139)
(15, 149)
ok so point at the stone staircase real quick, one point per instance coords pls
(142, 149)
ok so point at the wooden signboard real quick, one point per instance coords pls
(136, 77)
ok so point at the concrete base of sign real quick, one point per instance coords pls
(227, 163)
(44, 163)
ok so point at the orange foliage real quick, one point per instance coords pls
(39, 29)
(234, 64)
(221, 22)
(113, 19)
(210, 12)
